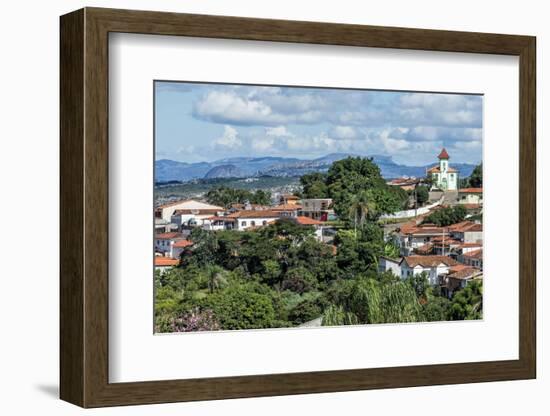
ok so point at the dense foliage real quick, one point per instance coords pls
(357, 189)
(224, 196)
(476, 178)
(281, 275)
(446, 216)
(422, 195)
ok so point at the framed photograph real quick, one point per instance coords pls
(255, 207)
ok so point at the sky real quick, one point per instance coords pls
(205, 122)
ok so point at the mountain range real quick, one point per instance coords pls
(242, 167)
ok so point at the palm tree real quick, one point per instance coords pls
(359, 209)
(216, 278)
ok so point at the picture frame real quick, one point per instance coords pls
(84, 172)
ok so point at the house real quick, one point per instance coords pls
(406, 183)
(164, 242)
(434, 266)
(470, 196)
(188, 209)
(289, 199)
(319, 227)
(386, 264)
(472, 258)
(217, 223)
(413, 236)
(287, 210)
(317, 208)
(443, 176)
(178, 247)
(467, 232)
(165, 263)
(248, 206)
(444, 245)
(458, 278)
(244, 220)
(163, 226)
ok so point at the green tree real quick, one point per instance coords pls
(446, 216)
(336, 316)
(216, 277)
(361, 205)
(476, 178)
(349, 177)
(313, 185)
(241, 307)
(422, 195)
(467, 303)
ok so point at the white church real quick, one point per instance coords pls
(443, 176)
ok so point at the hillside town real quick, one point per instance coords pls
(437, 235)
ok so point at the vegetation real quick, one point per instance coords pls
(225, 197)
(422, 195)
(475, 180)
(446, 216)
(282, 276)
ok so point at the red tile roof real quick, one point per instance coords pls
(183, 243)
(463, 272)
(168, 236)
(429, 261)
(476, 254)
(161, 261)
(287, 207)
(307, 221)
(254, 214)
(196, 211)
(465, 226)
(443, 154)
(471, 190)
(435, 169)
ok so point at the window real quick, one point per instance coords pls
(243, 224)
(252, 223)
(264, 222)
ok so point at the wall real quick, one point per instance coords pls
(29, 171)
(412, 212)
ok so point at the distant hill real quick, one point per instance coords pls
(239, 167)
(224, 171)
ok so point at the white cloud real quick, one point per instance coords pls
(343, 132)
(229, 139)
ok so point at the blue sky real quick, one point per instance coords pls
(205, 122)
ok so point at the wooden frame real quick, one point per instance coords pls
(84, 207)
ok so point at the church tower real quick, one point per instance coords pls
(443, 176)
(443, 161)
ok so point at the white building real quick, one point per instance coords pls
(413, 237)
(317, 208)
(188, 209)
(443, 176)
(164, 242)
(434, 266)
(472, 258)
(467, 232)
(165, 263)
(470, 196)
(388, 264)
(244, 220)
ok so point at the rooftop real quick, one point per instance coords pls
(308, 221)
(183, 243)
(287, 207)
(471, 190)
(168, 236)
(443, 154)
(476, 254)
(428, 261)
(161, 261)
(254, 214)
